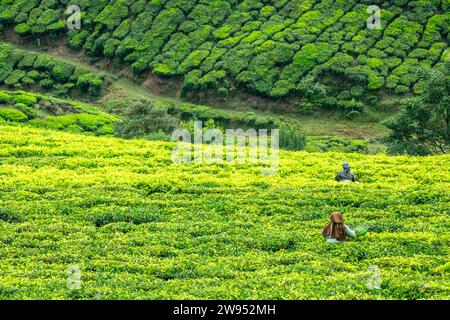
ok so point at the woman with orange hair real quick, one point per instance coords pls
(336, 230)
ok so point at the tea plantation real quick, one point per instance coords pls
(139, 226)
(273, 48)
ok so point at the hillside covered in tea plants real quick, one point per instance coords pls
(138, 226)
(311, 53)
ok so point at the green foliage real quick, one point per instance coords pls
(61, 72)
(267, 48)
(90, 83)
(292, 138)
(22, 29)
(141, 227)
(46, 83)
(18, 67)
(143, 118)
(12, 115)
(82, 122)
(51, 113)
(158, 136)
(8, 216)
(119, 104)
(336, 144)
(30, 112)
(25, 98)
(422, 126)
(4, 98)
(27, 61)
(14, 78)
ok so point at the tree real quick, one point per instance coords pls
(142, 118)
(422, 125)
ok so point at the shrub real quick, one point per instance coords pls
(158, 136)
(12, 115)
(15, 77)
(27, 61)
(193, 60)
(44, 62)
(375, 81)
(106, 129)
(4, 98)
(77, 38)
(57, 26)
(26, 99)
(22, 29)
(48, 17)
(46, 83)
(73, 122)
(33, 74)
(53, 122)
(74, 128)
(91, 122)
(222, 32)
(292, 138)
(112, 15)
(336, 144)
(421, 126)
(110, 47)
(122, 30)
(61, 72)
(143, 118)
(27, 81)
(30, 112)
(90, 83)
(9, 216)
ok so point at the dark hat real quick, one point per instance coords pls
(345, 165)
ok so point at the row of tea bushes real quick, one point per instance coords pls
(47, 112)
(26, 69)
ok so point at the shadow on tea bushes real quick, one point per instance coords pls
(8, 216)
(130, 215)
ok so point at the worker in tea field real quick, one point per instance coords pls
(336, 230)
(346, 175)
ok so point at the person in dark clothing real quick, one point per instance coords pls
(346, 175)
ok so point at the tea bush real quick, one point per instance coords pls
(19, 68)
(47, 112)
(142, 118)
(12, 115)
(337, 144)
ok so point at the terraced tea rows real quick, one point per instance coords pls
(275, 48)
